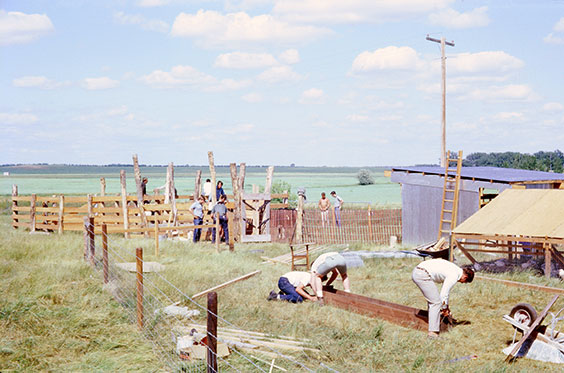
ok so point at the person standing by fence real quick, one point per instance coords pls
(221, 210)
(197, 209)
(324, 205)
(338, 205)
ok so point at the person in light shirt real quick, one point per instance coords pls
(431, 272)
(291, 287)
(329, 262)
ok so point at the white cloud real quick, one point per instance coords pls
(95, 84)
(178, 76)
(312, 96)
(242, 60)
(481, 62)
(452, 19)
(137, 19)
(13, 118)
(354, 11)
(552, 39)
(252, 97)
(41, 82)
(211, 28)
(279, 74)
(553, 106)
(388, 58)
(238, 129)
(513, 92)
(290, 56)
(508, 116)
(559, 26)
(19, 28)
(320, 124)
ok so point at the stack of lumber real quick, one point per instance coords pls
(249, 341)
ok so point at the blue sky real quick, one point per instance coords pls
(310, 82)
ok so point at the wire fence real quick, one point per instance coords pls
(172, 321)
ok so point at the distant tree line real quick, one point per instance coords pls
(541, 161)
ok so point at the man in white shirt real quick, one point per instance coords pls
(338, 206)
(292, 286)
(429, 272)
(329, 262)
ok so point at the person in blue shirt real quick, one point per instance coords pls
(197, 209)
(221, 210)
(219, 190)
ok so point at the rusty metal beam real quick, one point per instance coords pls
(395, 313)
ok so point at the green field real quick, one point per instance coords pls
(54, 179)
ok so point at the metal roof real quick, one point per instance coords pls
(497, 174)
(525, 212)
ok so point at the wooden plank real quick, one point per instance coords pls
(74, 199)
(32, 213)
(41, 209)
(102, 199)
(244, 277)
(527, 334)
(17, 198)
(557, 256)
(197, 184)
(102, 186)
(61, 213)
(464, 251)
(125, 214)
(235, 229)
(41, 199)
(524, 285)
(20, 208)
(477, 237)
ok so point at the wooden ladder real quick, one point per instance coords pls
(451, 189)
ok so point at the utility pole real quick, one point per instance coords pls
(443, 88)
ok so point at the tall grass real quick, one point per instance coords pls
(55, 315)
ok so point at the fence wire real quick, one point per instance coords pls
(168, 327)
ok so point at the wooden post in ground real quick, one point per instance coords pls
(212, 172)
(124, 203)
(370, 224)
(230, 226)
(91, 241)
(299, 219)
(255, 212)
(61, 213)
(102, 186)
(86, 237)
(89, 205)
(240, 190)
(212, 333)
(139, 269)
(156, 238)
(105, 251)
(173, 194)
(32, 213)
(547, 260)
(197, 185)
(140, 194)
(234, 229)
(217, 236)
(14, 205)
(267, 190)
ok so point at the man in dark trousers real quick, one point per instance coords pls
(221, 210)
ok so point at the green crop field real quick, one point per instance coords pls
(54, 179)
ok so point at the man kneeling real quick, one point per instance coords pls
(292, 286)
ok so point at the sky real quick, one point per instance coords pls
(309, 82)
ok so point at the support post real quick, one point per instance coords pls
(172, 195)
(102, 186)
(32, 213)
(547, 260)
(86, 238)
(370, 224)
(240, 190)
(89, 205)
(212, 332)
(267, 189)
(217, 236)
(61, 213)
(299, 219)
(230, 226)
(14, 205)
(197, 185)
(139, 269)
(91, 241)
(212, 172)
(124, 202)
(140, 194)
(105, 252)
(234, 232)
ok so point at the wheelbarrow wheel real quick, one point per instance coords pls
(524, 314)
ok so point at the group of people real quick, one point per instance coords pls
(199, 208)
(325, 205)
(425, 275)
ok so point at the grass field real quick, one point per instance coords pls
(55, 315)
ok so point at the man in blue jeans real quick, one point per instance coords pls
(197, 209)
(220, 209)
(292, 286)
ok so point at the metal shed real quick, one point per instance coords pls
(422, 188)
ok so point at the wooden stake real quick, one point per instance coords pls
(86, 237)
(244, 277)
(102, 186)
(124, 209)
(139, 268)
(240, 190)
(105, 252)
(547, 260)
(14, 205)
(140, 195)
(212, 172)
(61, 213)
(230, 226)
(267, 189)
(89, 205)
(299, 220)
(234, 229)
(32, 213)
(91, 240)
(197, 185)
(212, 333)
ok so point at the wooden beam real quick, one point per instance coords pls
(524, 285)
(125, 213)
(464, 251)
(237, 210)
(197, 185)
(244, 277)
(14, 205)
(212, 172)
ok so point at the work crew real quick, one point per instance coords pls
(292, 286)
(429, 272)
(221, 210)
(329, 262)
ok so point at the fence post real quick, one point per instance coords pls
(370, 223)
(156, 237)
(32, 213)
(89, 203)
(86, 237)
(61, 213)
(91, 242)
(230, 229)
(124, 203)
(197, 185)
(139, 262)
(300, 219)
(217, 236)
(105, 251)
(14, 205)
(102, 186)
(212, 332)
